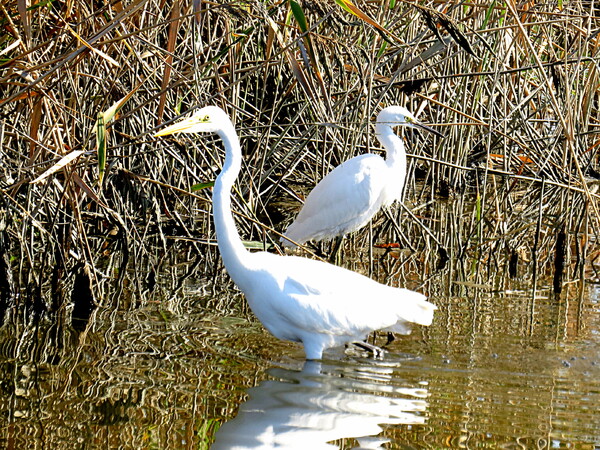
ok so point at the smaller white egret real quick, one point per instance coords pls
(298, 299)
(352, 193)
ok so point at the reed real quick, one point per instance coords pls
(85, 191)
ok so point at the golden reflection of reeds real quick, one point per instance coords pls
(131, 380)
(160, 376)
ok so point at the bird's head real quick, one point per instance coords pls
(398, 115)
(210, 119)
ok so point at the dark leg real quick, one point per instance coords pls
(335, 255)
(390, 338)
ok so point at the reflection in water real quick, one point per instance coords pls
(502, 370)
(307, 409)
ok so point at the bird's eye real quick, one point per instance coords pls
(206, 118)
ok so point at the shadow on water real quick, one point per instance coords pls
(82, 299)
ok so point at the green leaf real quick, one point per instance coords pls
(303, 24)
(488, 15)
(111, 112)
(299, 16)
(342, 3)
(101, 146)
(200, 186)
(381, 51)
(255, 245)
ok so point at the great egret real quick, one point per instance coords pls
(352, 193)
(295, 298)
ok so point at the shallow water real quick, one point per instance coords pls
(494, 370)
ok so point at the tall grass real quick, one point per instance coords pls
(514, 88)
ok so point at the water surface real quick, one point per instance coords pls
(504, 369)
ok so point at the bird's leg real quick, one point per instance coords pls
(390, 338)
(335, 255)
(373, 349)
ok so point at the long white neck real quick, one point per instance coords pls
(393, 144)
(395, 157)
(234, 255)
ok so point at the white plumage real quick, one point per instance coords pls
(295, 298)
(352, 193)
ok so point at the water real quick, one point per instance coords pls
(500, 369)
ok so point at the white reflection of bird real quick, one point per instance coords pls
(352, 193)
(298, 299)
(309, 409)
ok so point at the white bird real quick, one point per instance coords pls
(352, 193)
(295, 298)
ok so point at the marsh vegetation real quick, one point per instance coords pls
(511, 189)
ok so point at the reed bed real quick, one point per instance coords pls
(90, 200)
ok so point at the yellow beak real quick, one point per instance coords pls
(182, 126)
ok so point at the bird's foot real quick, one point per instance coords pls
(377, 352)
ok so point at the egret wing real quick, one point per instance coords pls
(343, 201)
(329, 299)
